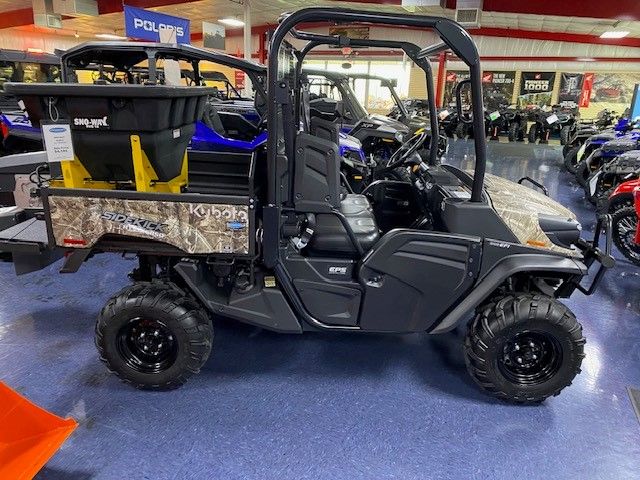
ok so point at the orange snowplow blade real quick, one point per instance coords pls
(29, 435)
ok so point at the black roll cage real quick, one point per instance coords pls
(125, 55)
(453, 36)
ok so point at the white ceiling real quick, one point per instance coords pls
(268, 11)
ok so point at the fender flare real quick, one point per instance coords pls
(501, 271)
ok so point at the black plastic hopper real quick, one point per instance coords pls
(103, 117)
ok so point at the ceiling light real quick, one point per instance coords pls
(614, 34)
(35, 50)
(77, 35)
(232, 22)
(110, 36)
(586, 59)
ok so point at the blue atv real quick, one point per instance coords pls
(18, 135)
(232, 129)
(578, 154)
(602, 149)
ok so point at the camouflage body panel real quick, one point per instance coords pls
(195, 228)
(519, 206)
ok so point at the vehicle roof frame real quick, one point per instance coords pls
(152, 51)
(7, 55)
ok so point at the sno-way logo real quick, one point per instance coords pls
(92, 123)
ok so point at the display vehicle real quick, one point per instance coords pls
(291, 252)
(16, 134)
(626, 228)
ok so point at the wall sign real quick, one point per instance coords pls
(497, 87)
(585, 92)
(536, 88)
(146, 25)
(239, 79)
(570, 89)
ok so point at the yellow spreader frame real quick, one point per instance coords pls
(74, 175)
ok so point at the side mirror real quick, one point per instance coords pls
(459, 87)
(393, 82)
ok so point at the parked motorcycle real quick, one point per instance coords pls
(622, 168)
(626, 229)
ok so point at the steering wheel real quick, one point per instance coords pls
(402, 155)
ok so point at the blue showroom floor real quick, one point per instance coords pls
(326, 406)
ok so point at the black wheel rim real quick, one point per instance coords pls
(147, 346)
(625, 230)
(530, 358)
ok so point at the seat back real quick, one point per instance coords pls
(317, 174)
(325, 129)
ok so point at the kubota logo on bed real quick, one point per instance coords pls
(92, 123)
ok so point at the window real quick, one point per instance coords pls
(28, 72)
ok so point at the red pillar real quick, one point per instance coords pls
(442, 66)
(262, 47)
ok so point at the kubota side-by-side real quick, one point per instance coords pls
(290, 251)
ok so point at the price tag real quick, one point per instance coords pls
(494, 115)
(551, 119)
(57, 141)
(443, 114)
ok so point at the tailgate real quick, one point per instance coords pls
(26, 244)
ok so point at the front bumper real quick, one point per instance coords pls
(600, 259)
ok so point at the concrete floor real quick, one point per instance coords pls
(326, 406)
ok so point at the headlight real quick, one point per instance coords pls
(562, 231)
(399, 137)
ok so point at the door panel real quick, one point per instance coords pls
(413, 278)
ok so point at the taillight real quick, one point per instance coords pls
(4, 129)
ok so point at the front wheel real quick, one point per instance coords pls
(524, 348)
(514, 131)
(153, 337)
(564, 134)
(583, 172)
(533, 133)
(625, 223)
(461, 131)
(571, 160)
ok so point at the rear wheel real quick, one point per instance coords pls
(153, 337)
(533, 133)
(524, 348)
(625, 222)
(571, 159)
(461, 131)
(620, 201)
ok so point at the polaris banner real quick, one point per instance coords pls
(570, 89)
(146, 25)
